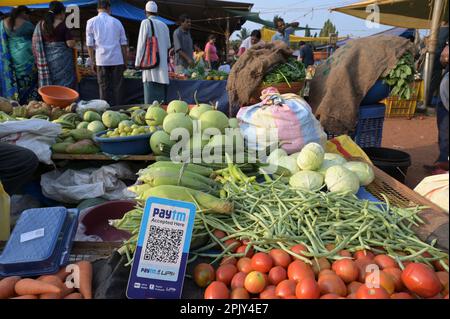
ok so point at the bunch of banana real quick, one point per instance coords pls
(68, 121)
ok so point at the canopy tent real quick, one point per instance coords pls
(267, 34)
(414, 14)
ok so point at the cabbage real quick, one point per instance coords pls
(311, 157)
(307, 180)
(295, 156)
(330, 160)
(341, 180)
(288, 163)
(275, 156)
(363, 171)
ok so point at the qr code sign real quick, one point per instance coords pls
(163, 245)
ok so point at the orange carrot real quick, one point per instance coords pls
(26, 297)
(62, 273)
(75, 295)
(7, 287)
(55, 281)
(85, 279)
(35, 287)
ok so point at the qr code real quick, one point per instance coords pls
(163, 245)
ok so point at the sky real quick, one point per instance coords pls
(312, 12)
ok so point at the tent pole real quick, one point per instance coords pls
(432, 44)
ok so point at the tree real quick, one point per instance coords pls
(243, 34)
(307, 31)
(328, 28)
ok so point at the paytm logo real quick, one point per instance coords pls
(169, 214)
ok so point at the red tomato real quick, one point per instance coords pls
(290, 297)
(238, 280)
(219, 234)
(262, 262)
(286, 288)
(217, 290)
(228, 260)
(421, 279)
(269, 293)
(225, 273)
(255, 282)
(320, 264)
(326, 272)
(241, 250)
(353, 287)
(346, 269)
(204, 274)
(396, 275)
(307, 289)
(384, 280)
(345, 253)
(365, 292)
(443, 278)
(332, 284)
(438, 296)
(298, 271)
(280, 257)
(363, 254)
(244, 264)
(352, 296)
(385, 261)
(401, 295)
(299, 249)
(232, 242)
(330, 296)
(362, 265)
(239, 293)
(437, 265)
(276, 275)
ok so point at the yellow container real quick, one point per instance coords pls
(5, 218)
(396, 107)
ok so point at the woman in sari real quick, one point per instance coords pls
(19, 74)
(53, 49)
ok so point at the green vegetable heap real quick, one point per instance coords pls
(401, 77)
(291, 71)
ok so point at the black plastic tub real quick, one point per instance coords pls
(392, 162)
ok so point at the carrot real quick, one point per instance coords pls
(35, 287)
(56, 281)
(7, 287)
(85, 279)
(75, 295)
(26, 297)
(62, 274)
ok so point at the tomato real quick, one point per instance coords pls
(307, 289)
(217, 290)
(299, 249)
(383, 280)
(332, 284)
(238, 280)
(276, 275)
(255, 282)
(385, 261)
(401, 295)
(204, 274)
(219, 234)
(438, 296)
(326, 272)
(280, 257)
(345, 253)
(232, 242)
(363, 254)
(365, 292)
(269, 293)
(362, 265)
(262, 262)
(225, 273)
(239, 293)
(422, 280)
(353, 287)
(244, 264)
(443, 278)
(346, 269)
(228, 260)
(298, 270)
(290, 297)
(286, 288)
(352, 296)
(330, 296)
(241, 250)
(320, 264)
(437, 265)
(396, 275)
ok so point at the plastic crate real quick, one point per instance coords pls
(403, 108)
(369, 130)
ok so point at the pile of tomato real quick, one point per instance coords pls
(362, 275)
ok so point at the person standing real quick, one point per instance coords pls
(253, 39)
(19, 73)
(306, 54)
(183, 45)
(284, 31)
(211, 56)
(53, 46)
(155, 80)
(107, 47)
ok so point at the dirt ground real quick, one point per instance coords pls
(417, 137)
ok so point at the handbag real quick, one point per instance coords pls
(150, 59)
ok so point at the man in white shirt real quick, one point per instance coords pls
(107, 47)
(155, 80)
(253, 39)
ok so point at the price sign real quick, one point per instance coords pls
(333, 38)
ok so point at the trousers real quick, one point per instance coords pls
(110, 81)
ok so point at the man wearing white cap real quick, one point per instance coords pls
(156, 79)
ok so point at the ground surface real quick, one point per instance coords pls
(417, 137)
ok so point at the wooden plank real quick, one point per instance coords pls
(101, 157)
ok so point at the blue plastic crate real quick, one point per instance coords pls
(369, 130)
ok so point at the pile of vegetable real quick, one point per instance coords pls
(216, 75)
(401, 77)
(12, 111)
(276, 274)
(291, 71)
(49, 286)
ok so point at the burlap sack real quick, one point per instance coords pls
(249, 71)
(341, 83)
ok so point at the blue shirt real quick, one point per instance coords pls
(285, 37)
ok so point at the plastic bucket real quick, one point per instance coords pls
(377, 93)
(393, 162)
